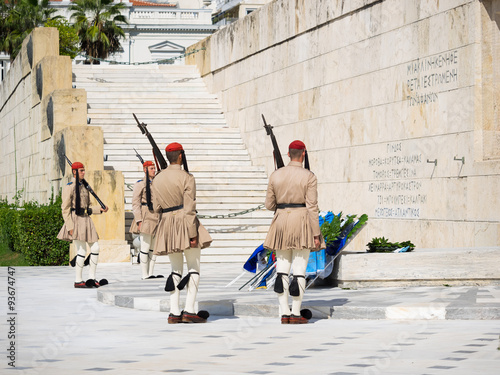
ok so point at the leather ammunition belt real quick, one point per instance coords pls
(170, 209)
(290, 205)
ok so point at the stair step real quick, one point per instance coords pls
(124, 139)
(152, 100)
(133, 176)
(146, 106)
(124, 152)
(225, 200)
(207, 123)
(177, 107)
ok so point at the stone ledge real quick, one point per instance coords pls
(420, 303)
(421, 267)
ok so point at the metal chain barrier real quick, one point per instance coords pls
(259, 207)
(233, 214)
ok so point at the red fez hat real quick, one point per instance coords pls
(148, 163)
(297, 145)
(77, 165)
(174, 147)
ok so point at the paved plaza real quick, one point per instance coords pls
(62, 330)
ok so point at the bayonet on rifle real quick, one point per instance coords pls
(139, 156)
(277, 155)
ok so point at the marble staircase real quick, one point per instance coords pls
(175, 104)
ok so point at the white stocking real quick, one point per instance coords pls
(193, 263)
(299, 265)
(283, 264)
(144, 254)
(94, 257)
(81, 251)
(176, 262)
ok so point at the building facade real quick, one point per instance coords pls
(157, 30)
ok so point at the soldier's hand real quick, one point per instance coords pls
(193, 241)
(317, 243)
(139, 225)
(104, 209)
(71, 232)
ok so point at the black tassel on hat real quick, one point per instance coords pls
(148, 193)
(78, 207)
(184, 161)
(306, 162)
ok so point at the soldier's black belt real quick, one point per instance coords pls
(290, 205)
(88, 210)
(170, 209)
(144, 204)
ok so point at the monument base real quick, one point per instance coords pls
(421, 267)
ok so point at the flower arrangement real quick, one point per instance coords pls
(382, 245)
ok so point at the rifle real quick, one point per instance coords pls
(278, 160)
(87, 186)
(156, 151)
(139, 156)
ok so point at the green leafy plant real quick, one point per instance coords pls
(331, 231)
(382, 245)
(31, 229)
(68, 37)
(341, 227)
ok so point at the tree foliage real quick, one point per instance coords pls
(68, 37)
(18, 19)
(97, 23)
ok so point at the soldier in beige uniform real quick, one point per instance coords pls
(179, 232)
(145, 220)
(294, 232)
(78, 226)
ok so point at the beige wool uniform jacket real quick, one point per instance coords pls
(174, 187)
(141, 212)
(82, 226)
(293, 228)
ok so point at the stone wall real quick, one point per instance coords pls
(42, 119)
(396, 101)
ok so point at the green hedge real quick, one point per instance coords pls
(32, 229)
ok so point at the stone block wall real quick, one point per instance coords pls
(43, 119)
(396, 101)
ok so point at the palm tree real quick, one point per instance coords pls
(96, 22)
(18, 19)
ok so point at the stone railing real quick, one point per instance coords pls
(142, 15)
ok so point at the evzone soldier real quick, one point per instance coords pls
(145, 220)
(292, 193)
(79, 228)
(179, 233)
